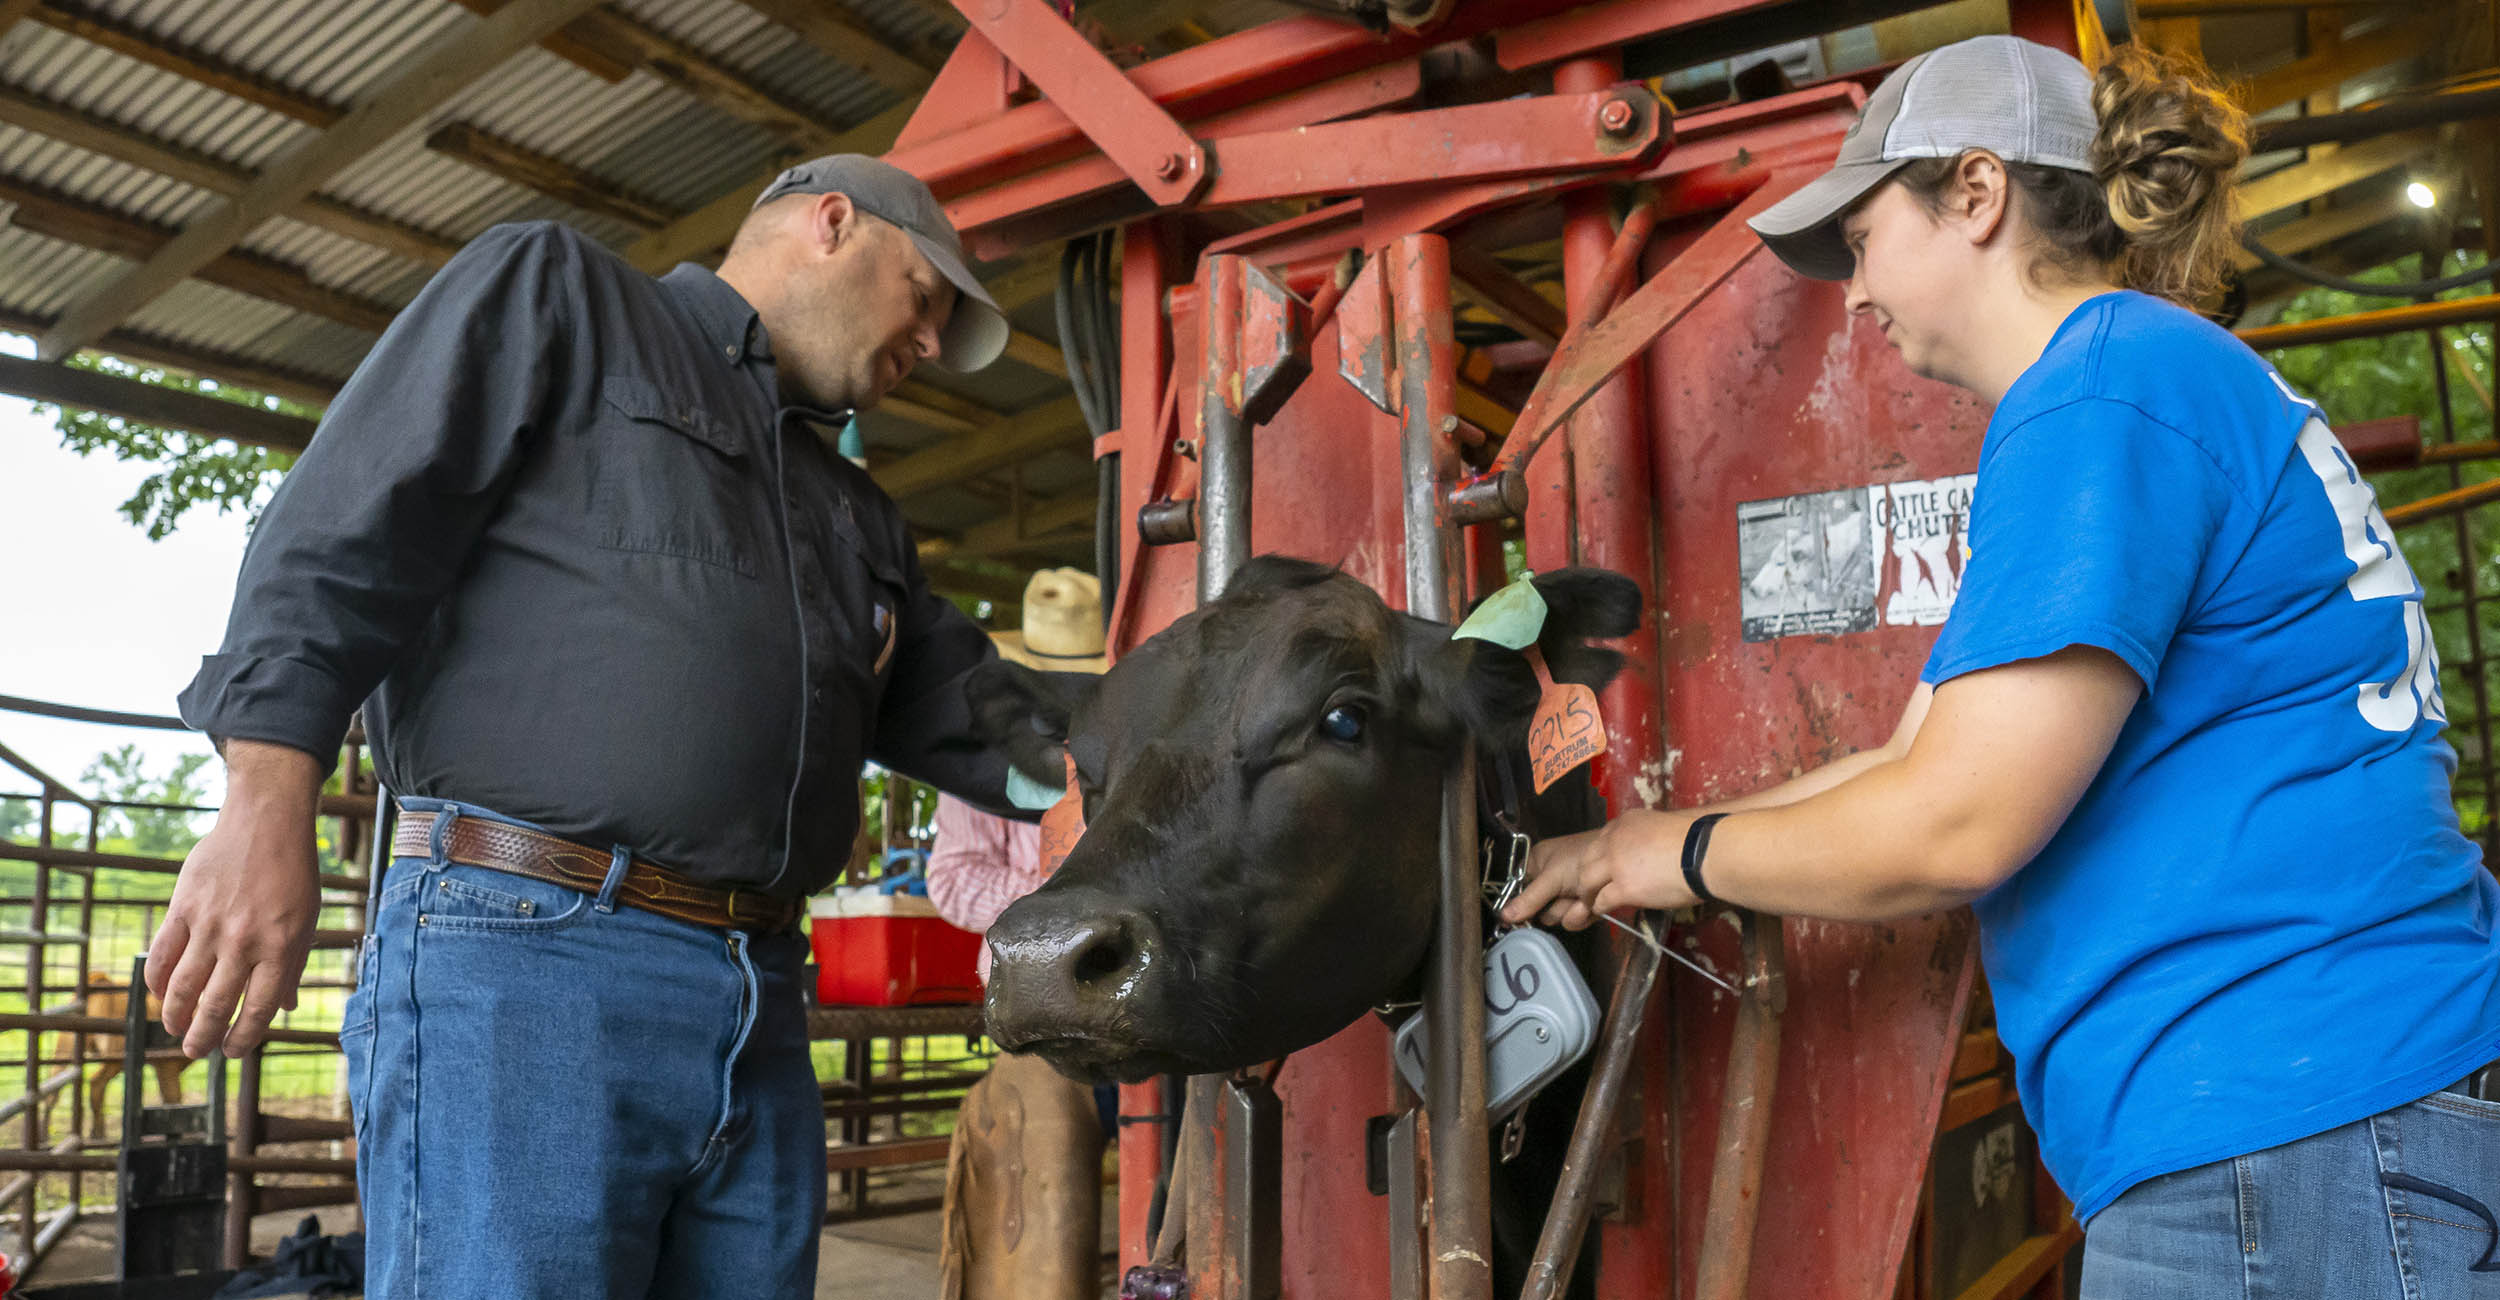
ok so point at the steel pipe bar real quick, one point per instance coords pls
(1223, 432)
(2376, 119)
(113, 1025)
(1567, 1221)
(73, 713)
(2371, 324)
(2452, 502)
(1753, 1065)
(1458, 1262)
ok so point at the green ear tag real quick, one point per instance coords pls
(1512, 617)
(1026, 793)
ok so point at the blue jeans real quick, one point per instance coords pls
(2398, 1206)
(557, 1095)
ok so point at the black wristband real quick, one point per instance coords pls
(1697, 843)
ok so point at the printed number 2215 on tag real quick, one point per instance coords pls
(1565, 732)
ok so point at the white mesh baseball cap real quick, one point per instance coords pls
(2021, 101)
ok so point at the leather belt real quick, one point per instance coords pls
(497, 846)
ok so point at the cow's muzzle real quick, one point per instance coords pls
(1072, 974)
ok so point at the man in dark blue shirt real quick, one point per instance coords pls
(624, 627)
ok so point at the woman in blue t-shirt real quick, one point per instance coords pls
(2178, 745)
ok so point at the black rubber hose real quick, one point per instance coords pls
(1071, 350)
(2415, 289)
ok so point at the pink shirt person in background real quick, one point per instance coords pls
(978, 864)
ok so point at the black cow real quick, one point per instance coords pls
(1261, 783)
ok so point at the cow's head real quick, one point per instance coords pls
(1261, 784)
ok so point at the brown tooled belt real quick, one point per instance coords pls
(496, 846)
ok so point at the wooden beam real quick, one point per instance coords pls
(537, 172)
(942, 11)
(1030, 278)
(1142, 20)
(704, 78)
(935, 408)
(431, 80)
(928, 417)
(12, 10)
(2202, 8)
(2296, 237)
(992, 587)
(691, 237)
(90, 226)
(152, 404)
(566, 45)
(94, 134)
(2304, 77)
(225, 368)
(1059, 423)
(129, 40)
(822, 24)
(2302, 182)
(930, 395)
(1490, 285)
(1026, 349)
(1045, 523)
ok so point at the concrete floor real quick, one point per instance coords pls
(874, 1259)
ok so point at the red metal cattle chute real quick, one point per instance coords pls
(1691, 380)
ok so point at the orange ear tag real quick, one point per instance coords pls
(1566, 730)
(1063, 825)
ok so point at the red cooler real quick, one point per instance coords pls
(889, 950)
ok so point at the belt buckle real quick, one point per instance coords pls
(730, 909)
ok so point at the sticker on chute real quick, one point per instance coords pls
(1832, 563)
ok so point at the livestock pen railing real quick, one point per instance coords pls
(73, 912)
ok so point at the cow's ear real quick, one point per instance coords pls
(1026, 713)
(1489, 691)
(1584, 605)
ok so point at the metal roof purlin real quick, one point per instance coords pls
(430, 82)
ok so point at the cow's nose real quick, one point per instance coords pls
(1088, 951)
(1066, 959)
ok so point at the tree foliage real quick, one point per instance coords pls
(2396, 375)
(121, 775)
(191, 470)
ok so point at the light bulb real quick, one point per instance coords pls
(2421, 195)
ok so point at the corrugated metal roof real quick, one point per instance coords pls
(215, 318)
(44, 276)
(644, 136)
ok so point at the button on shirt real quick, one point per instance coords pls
(593, 574)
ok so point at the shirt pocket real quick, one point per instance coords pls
(671, 479)
(875, 623)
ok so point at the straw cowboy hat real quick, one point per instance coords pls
(1062, 624)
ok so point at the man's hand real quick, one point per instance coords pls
(242, 915)
(1633, 861)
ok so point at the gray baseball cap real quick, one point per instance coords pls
(2021, 101)
(977, 330)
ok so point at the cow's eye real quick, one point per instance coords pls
(1344, 722)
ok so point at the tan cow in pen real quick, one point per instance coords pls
(109, 997)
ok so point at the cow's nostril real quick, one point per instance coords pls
(1109, 955)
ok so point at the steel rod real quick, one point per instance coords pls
(1459, 1260)
(1224, 523)
(2371, 324)
(1567, 1221)
(1224, 449)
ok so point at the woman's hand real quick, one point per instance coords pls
(1634, 861)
